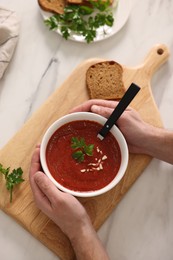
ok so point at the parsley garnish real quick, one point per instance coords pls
(81, 149)
(82, 20)
(12, 179)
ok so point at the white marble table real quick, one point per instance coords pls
(141, 226)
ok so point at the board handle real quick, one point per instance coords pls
(156, 57)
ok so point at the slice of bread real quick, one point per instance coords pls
(55, 6)
(104, 80)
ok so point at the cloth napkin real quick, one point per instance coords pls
(9, 33)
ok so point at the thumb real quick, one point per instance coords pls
(103, 111)
(46, 186)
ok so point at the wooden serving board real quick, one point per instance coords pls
(19, 149)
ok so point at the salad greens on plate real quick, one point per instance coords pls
(83, 20)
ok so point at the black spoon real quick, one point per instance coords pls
(122, 105)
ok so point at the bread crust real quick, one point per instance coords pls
(104, 80)
(55, 6)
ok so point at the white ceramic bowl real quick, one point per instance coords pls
(92, 117)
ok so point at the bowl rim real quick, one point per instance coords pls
(77, 116)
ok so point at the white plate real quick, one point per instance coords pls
(121, 15)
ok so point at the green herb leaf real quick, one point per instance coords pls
(12, 179)
(82, 149)
(100, 4)
(77, 143)
(78, 155)
(85, 10)
(89, 149)
(4, 171)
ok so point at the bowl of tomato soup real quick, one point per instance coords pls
(77, 161)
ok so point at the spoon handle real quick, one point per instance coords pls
(122, 105)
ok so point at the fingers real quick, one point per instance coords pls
(100, 110)
(43, 192)
(35, 168)
(47, 187)
(86, 106)
(35, 161)
(43, 189)
(40, 198)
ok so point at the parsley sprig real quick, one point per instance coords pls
(12, 178)
(82, 20)
(81, 148)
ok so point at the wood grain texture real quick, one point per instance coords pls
(18, 151)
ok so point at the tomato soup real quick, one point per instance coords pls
(95, 171)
